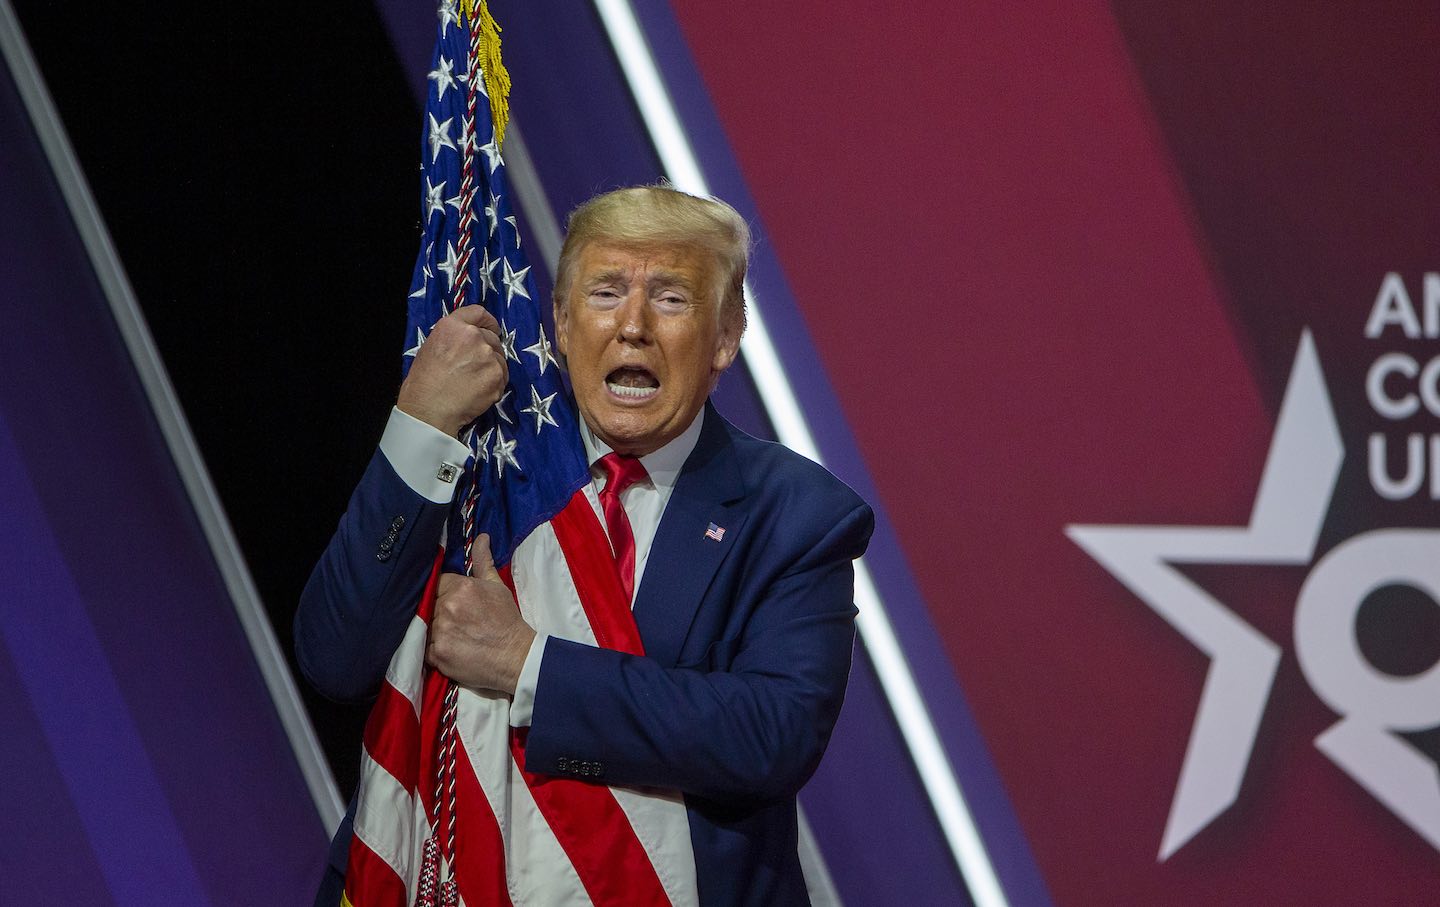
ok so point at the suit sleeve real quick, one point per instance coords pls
(363, 591)
(747, 734)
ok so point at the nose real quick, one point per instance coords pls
(634, 320)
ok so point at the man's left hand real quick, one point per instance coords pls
(477, 637)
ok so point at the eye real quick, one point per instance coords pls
(670, 301)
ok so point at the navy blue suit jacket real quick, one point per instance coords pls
(747, 643)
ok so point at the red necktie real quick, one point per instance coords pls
(620, 474)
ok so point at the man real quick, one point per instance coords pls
(740, 563)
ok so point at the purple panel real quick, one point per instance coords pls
(87, 727)
(59, 862)
(117, 623)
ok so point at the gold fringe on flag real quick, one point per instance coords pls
(497, 80)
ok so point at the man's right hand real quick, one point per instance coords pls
(458, 373)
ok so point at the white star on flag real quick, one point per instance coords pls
(481, 446)
(492, 155)
(507, 343)
(492, 213)
(433, 201)
(515, 283)
(540, 409)
(540, 349)
(450, 265)
(487, 271)
(442, 77)
(504, 451)
(500, 406)
(419, 342)
(448, 16)
(439, 137)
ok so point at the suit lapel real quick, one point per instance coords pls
(683, 558)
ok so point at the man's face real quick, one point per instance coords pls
(642, 331)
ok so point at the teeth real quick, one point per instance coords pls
(635, 393)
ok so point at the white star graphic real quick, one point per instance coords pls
(540, 349)
(492, 154)
(514, 228)
(450, 265)
(1290, 506)
(439, 136)
(419, 342)
(515, 282)
(467, 136)
(442, 76)
(540, 409)
(456, 202)
(504, 451)
(432, 198)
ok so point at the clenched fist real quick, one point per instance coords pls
(458, 373)
(477, 637)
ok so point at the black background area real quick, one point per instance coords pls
(257, 170)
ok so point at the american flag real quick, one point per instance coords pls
(445, 813)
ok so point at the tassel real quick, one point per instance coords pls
(497, 79)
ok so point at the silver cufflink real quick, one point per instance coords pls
(448, 472)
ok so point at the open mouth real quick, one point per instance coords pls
(632, 383)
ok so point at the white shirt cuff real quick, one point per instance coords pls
(426, 458)
(522, 707)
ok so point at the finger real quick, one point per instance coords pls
(476, 315)
(480, 557)
(492, 339)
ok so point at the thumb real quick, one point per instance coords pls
(482, 562)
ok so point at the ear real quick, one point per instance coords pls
(562, 327)
(727, 344)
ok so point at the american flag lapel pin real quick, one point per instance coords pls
(715, 532)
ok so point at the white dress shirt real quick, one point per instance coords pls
(424, 456)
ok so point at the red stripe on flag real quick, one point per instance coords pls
(595, 834)
(426, 608)
(596, 578)
(369, 880)
(432, 708)
(392, 736)
(479, 849)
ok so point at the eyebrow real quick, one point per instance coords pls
(657, 278)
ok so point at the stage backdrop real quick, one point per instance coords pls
(1126, 318)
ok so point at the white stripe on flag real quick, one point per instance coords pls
(407, 665)
(548, 600)
(537, 870)
(382, 799)
(663, 827)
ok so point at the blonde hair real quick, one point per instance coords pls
(660, 215)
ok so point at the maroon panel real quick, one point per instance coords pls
(1029, 325)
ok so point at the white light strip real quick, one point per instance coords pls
(166, 406)
(683, 169)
